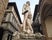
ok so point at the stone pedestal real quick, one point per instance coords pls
(22, 36)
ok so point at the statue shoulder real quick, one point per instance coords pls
(24, 5)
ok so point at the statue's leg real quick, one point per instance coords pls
(29, 25)
(24, 22)
(24, 25)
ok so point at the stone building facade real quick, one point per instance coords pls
(11, 22)
(36, 20)
(45, 13)
(3, 5)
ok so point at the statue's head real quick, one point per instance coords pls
(28, 3)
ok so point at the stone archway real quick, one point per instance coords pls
(46, 18)
(43, 19)
(48, 23)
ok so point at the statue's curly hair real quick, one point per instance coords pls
(28, 2)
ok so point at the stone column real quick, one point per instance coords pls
(3, 6)
(5, 35)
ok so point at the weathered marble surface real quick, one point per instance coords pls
(22, 36)
(27, 28)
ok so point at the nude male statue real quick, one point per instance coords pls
(27, 18)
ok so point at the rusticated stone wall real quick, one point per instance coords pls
(3, 6)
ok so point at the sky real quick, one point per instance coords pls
(20, 3)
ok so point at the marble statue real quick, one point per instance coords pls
(26, 30)
(26, 11)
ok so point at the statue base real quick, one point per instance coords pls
(22, 36)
